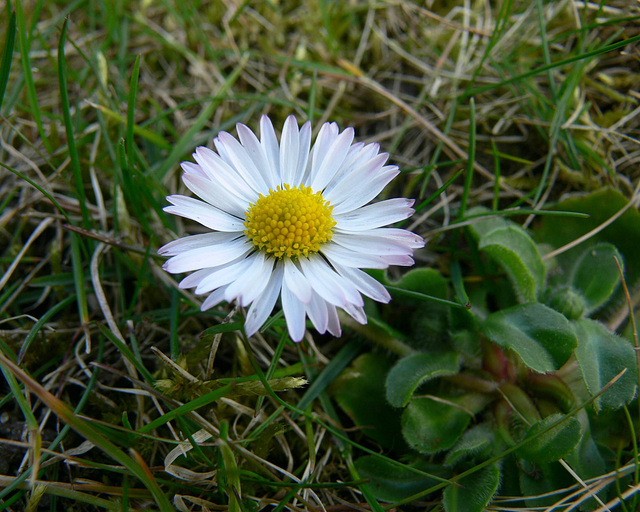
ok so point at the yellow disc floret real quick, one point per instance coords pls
(289, 222)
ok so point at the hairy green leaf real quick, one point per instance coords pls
(431, 426)
(475, 492)
(475, 443)
(601, 356)
(541, 336)
(514, 250)
(411, 371)
(596, 275)
(390, 482)
(359, 390)
(550, 445)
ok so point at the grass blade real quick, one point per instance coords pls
(338, 363)
(28, 74)
(7, 56)
(71, 143)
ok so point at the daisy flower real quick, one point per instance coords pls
(291, 222)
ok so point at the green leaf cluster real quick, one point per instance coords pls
(513, 380)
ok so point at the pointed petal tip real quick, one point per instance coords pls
(295, 338)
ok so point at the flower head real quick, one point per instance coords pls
(291, 222)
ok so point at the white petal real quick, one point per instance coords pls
(364, 192)
(223, 174)
(357, 313)
(303, 153)
(215, 195)
(293, 313)
(205, 257)
(326, 136)
(234, 153)
(359, 154)
(357, 182)
(191, 168)
(193, 280)
(332, 160)
(289, 147)
(333, 324)
(375, 215)
(250, 293)
(396, 236)
(328, 284)
(256, 152)
(261, 307)
(215, 298)
(316, 309)
(349, 258)
(371, 244)
(194, 242)
(364, 283)
(224, 275)
(296, 282)
(253, 279)
(204, 213)
(269, 143)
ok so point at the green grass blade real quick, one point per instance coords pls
(545, 48)
(78, 279)
(501, 21)
(338, 363)
(7, 56)
(187, 408)
(128, 353)
(131, 108)
(468, 179)
(38, 325)
(28, 74)
(71, 143)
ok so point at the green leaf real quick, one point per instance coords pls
(514, 250)
(359, 391)
(568, 301)
(601, 356)
(475, 492)
(390, 482)
(587, 460)
(596, 275)
(553, 444)
(541, 480)
(425, 324)
(476, 443)
(431, 426)
(541, 336)
(601, 205)
(411, 371)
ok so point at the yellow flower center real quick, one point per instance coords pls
(289, 222)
